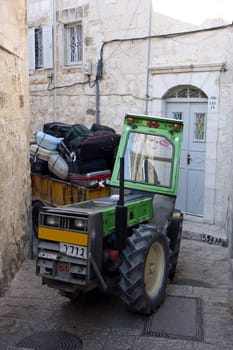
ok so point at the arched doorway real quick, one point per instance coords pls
(188, 103)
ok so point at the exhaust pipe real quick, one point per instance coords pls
(121, 212)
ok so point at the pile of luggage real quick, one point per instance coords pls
(75, 153)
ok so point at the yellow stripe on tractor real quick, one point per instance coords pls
(52, 234)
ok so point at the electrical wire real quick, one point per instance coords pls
(120, 40)
(89, 82)
(126, 94)
(35, 93)
(162, 36)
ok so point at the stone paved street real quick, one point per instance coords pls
(197, 313)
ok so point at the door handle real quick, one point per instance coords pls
(188, 158)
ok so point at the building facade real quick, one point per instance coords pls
(14, 139)
(93, 61)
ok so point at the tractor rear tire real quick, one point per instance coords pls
(144, 269)
(36, 207)
(174, 234)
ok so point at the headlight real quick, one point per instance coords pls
(52, 220)
(79, 224)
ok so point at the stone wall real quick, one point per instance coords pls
(14, 140)
(102, 21)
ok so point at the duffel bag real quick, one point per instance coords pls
(56, 129)
(75, 135)
(98, 128)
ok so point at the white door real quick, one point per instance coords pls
(190, 198)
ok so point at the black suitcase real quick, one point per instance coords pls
(87, 166)
(96, 147)
(56, 129)
(39, 166)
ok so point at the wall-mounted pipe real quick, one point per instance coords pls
(148, 58)
(54, 59)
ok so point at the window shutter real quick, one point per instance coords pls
(31, 48)
(47, 46)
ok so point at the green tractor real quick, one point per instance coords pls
(128, 242)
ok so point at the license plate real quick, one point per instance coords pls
(63, 268)
(76, 251)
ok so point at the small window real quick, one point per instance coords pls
(73, 44)
(38, 48)
(199, 127)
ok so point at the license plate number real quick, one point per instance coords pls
(73, 250)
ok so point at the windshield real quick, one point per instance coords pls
(148, 159)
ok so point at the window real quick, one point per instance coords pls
(199, 128)
(149, 159)
(40, 47)
(185, 92)
(73, 44)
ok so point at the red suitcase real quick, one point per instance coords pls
(92, 179)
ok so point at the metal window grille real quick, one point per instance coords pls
(38, 49)
(74, 47)
(199, 130)
(185, 92)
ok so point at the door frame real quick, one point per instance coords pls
(186, 171)
(204, 77)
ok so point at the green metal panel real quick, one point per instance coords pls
(138, 211)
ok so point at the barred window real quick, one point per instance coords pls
(38, 48)
(73, 44)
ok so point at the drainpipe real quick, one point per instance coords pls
(97, 102)
(148, 58)
(99, 72)
(54, 58)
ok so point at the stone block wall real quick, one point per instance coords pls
(101, 22)
(14, 140)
